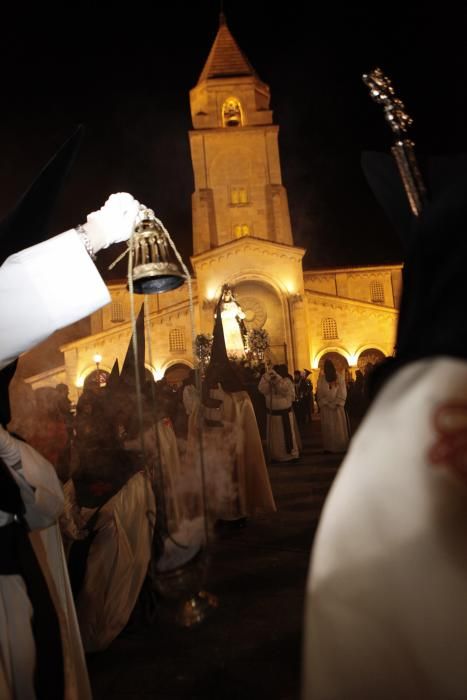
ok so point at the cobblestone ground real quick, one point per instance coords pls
(250, 646)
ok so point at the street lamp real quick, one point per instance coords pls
(98, 359)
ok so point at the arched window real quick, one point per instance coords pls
(117, 314)
(177, 340)
(377, 292)
(232, 112)
(329, 329)
(241, 230)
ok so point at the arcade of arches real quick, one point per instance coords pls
(371, 356)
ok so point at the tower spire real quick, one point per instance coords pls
(222, 19)
(226, 59)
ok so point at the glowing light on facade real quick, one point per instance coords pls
(353, 359)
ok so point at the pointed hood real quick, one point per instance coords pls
(440, 173)
(218, 347)
(127, 375)
(431, 319)
(220, 368)
(113, 379)
(27, 224)
(383, 177)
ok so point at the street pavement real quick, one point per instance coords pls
(249, 647)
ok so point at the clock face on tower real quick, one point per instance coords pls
(255, 313)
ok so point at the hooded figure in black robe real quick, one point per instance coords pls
(386, 609)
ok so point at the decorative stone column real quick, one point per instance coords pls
(301, 348)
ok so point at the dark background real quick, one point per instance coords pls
(126, 75)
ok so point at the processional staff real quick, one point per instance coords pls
(382, 92)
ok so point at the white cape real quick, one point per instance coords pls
(386, 605)
(17, 649)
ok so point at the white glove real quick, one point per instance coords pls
(9, 450)
(114, 222)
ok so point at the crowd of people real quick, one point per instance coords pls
(88, 501)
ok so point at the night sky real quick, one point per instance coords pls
(126, 77)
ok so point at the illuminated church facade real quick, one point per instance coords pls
(242, 236)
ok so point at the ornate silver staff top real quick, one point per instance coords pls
(382, 92)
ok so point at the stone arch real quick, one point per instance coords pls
(177, 371)
(96, 379)
(331, 349)
(83, 376)
(340, 361)
(371, 356)
(283, 350)
(263, 307)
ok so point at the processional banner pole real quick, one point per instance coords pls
(403, 150)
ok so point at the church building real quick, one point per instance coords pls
(242, 236)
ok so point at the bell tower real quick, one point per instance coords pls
(241, 223)
(234, 151)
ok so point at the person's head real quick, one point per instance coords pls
(282, 370)
(227, 294)
(296, 375)
(330, 371)
(62, 389)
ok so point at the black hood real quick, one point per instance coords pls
(220, 368)
(431, 319)
(27, 225)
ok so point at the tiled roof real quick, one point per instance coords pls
(225, 59)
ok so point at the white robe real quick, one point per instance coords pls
(43, 498)
(232, 332)
(386, 601)
(331, 400)
(279, 395)
(44, 288)
(118, 559)
(236, 478)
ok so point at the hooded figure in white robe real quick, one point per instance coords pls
(237, 479)
(283, 437)
(331, 394)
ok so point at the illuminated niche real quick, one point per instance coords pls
(232, 112)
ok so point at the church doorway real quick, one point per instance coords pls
(339, 362)
(372, 356)
(96, 380)
(263, 309)
(175, 374)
